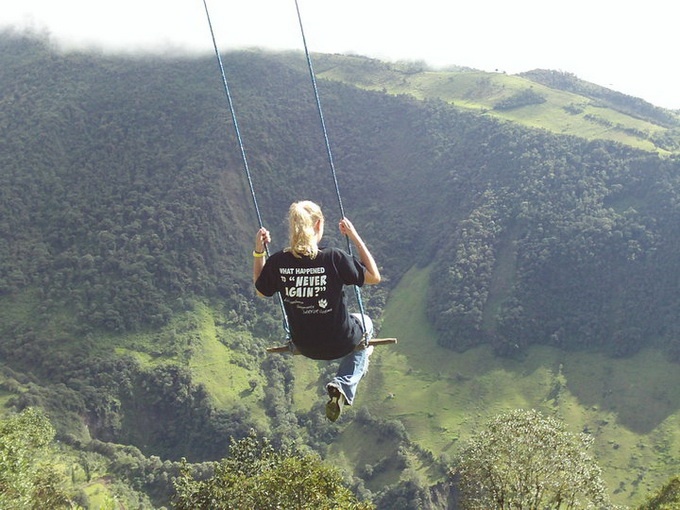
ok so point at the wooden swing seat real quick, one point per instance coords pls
(281, 349)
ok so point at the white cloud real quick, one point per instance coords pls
(622, 45)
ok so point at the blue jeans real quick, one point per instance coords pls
(353, 366)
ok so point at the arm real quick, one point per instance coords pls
(262, 238)
(372, 275)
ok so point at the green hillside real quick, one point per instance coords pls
(442, 397)
(529, 99)
(522, 267)
(439, 396)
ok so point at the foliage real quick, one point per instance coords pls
(122, 200)
(525, 460)
(666, 498)
(130, 225)
(255, 475)
(405, 496)
(522, 98)
(27, 480)
(541, 254)
(534, 231)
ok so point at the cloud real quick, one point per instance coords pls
(623, 46)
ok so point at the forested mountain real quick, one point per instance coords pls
(123, 203)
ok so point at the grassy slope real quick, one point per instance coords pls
(197, 338)
(629, 405)
(209, 361)
(201, 340)
(480, 91)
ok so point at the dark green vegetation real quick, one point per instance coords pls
(28, 479)
(549, 227)
(255, 475)
(524, 460)
(668, 497)
(126, 308)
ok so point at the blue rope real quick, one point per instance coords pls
(242, 149)
(329, 153)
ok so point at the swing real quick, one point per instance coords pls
(289, 346)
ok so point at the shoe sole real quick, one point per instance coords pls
(334, 405)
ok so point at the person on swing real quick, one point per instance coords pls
(311, 282)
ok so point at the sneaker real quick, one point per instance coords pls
(334, 405)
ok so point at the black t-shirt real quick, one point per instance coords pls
(314, 299)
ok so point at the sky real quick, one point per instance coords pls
(630, 47)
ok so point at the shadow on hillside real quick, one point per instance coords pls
(641, 390)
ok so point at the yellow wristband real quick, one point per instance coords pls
(259, 254)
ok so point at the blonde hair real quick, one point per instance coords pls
(302, 216)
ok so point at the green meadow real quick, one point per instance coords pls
(562, 112)
(630, 406)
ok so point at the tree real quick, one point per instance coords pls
(257, 476)
(667, 498)
(25, 481)
(523, 460)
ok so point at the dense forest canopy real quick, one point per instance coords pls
(123, 204)
(122, 194)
